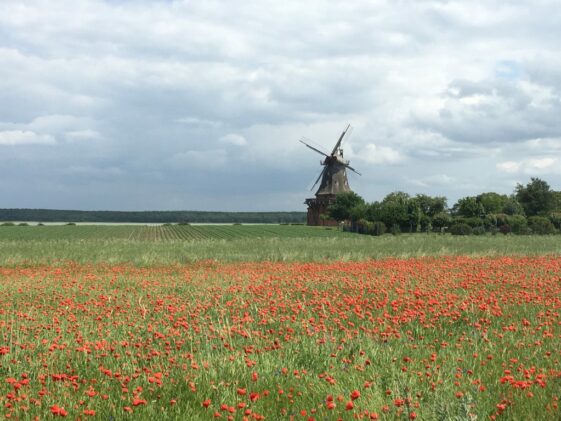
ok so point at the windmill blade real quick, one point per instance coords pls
(352, 169)
(340, 139)
(314, 149)
(320, 176)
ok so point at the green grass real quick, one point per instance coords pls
(160, 245)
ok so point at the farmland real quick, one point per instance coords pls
(277, 322)
(180, 244)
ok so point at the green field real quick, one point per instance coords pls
(178, 244)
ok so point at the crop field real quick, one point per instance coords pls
(181, 244)
(422, 338)
(164, 232)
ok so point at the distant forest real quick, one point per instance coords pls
(54, 215)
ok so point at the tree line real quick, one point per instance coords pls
(53, 215)
(533, 208)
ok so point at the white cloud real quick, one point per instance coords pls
(203, 159)
(373, 154)
(25, 137)
(233, 139)
(82, 135)
(443, 87)
(509, 166)
(530, 166)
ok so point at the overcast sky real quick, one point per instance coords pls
(199, 105)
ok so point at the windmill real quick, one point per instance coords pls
(333, 181)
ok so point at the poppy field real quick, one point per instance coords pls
(467, 338)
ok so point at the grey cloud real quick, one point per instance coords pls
(149, 94)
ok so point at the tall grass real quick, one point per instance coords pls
(144, 252)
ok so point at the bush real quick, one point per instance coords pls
(441, 220)
(8, 224)
(378, 228)
(473, 221)
(23, 224)
(541, 225)
(71, 223)
(501, 218)
(505, 229)
(480, 230)
(518, 224)
(555, 219)
(395, 230)
(461, 229)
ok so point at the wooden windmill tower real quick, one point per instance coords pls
(333, 181)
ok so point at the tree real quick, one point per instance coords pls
(536, 197)
(342, 208)
(394, 210)
(492, 202)
(468, 207)
(512, 206)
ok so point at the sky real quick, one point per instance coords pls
(200, 105)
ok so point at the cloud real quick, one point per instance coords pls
(81, 135)
(530, 166)
(163, 90)
(233, 139)
(202, 159)
(373, 154)
(21, 137)
(509, 166)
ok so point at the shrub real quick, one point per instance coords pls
(8, 224)
(71, 223)
(555, 219)
(501, 218)
(395, 230)
(541, 225)
(473, 221)
(461, 229)
(23, 224)
(518, 224)
(490, 222)
(440, 220)
(378, 228)
(505, 229)
(480, 230)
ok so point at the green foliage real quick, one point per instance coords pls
(541, 225)
(479, 230)
(461, 229)
(441, 220)
(342, 208)
(492, 202)
(8, 224)
(472, 221)
(468, 207)
(555, 218)
(378, 228)
(501, 218)
(518, 224)
(395, 212)
(505, 229)
(536, 197)
(512, 206)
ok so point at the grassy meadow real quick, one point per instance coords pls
(258, 322)
(180, 244)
